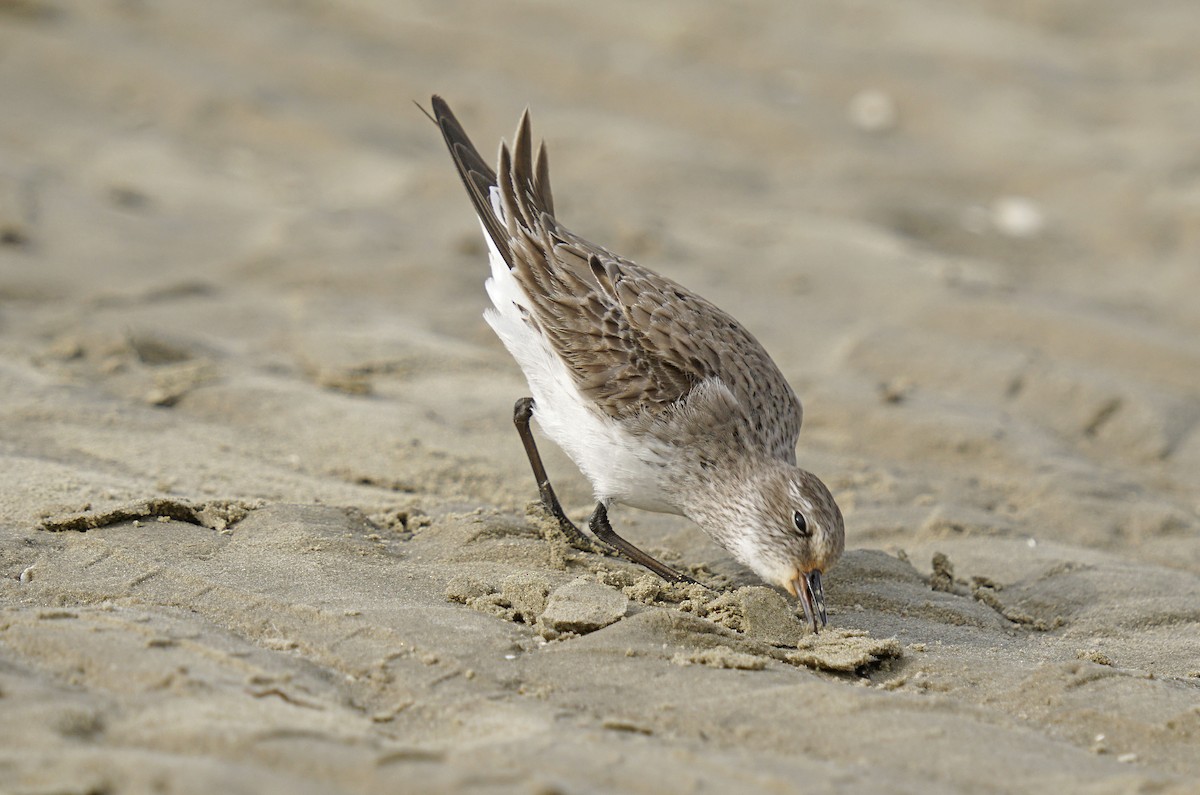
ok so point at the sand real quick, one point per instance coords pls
(265, 525)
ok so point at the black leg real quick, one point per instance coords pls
(522, 412)
(604, 532)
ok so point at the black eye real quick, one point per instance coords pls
(800, 522)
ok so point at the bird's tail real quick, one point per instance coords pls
(520, 193)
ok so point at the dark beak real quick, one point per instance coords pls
(812, 598)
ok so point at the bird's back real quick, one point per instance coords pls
(637, 345)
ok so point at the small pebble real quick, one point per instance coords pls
(872, 110)
(1014, 216)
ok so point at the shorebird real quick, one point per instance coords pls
(663, 401)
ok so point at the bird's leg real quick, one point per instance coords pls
(604, 532)
(522, 412)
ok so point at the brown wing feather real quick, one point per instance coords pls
(636, 342)
(672, 340)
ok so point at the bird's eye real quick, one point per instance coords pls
(800, 522)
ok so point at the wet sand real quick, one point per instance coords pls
(266, 526)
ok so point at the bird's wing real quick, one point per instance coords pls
(634, 341)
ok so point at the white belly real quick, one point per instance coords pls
(620, 468)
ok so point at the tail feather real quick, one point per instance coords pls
(523, 181)
(541, 180)
(529, 176)
(477, 176)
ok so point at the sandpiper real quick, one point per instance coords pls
(663, 401)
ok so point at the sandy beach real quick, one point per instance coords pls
(265, 525)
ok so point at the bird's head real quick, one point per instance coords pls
(784, 524)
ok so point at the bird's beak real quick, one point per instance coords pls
(807, 588)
